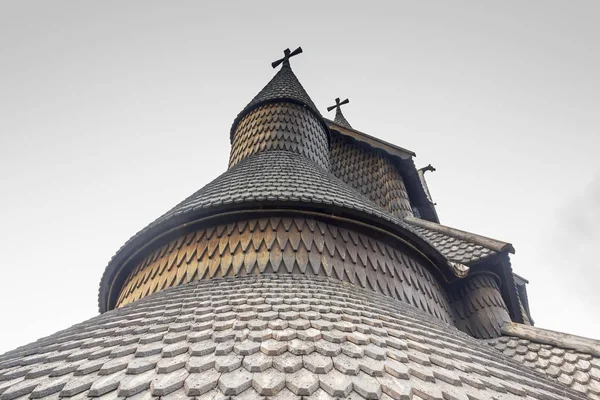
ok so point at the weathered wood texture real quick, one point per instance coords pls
(576, 369)
(288, 245)
(371, 173)
(481, 309)
(280, 126)
(563, 340)
(372, 141)
(486, 242)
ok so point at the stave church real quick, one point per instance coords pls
(314, 267)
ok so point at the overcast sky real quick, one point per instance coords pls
(111, 112)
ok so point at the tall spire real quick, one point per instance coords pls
(281, 117)
(284, 86)
(339, 117)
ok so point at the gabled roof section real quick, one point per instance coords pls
(456, 245)
(284, 86)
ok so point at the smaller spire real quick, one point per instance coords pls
(286, 57)
(339, 117)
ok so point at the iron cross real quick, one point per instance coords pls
(286, 56)
(338, 104)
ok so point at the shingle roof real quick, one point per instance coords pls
(576, 369)
(340, 119)
(281, 177)
(284, 86)
(272, 177)
(271, 335)
(456, 245)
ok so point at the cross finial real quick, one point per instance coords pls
(339, 117)
(286, 57)
(338, 104)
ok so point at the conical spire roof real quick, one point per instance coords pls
(339, 117)
(284, 86)
(341, 120)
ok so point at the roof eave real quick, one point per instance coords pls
(484, 241)
(177, 222)
(374, 142)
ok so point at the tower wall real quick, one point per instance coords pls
(478, 305)
(280, 126)
(301, 246)
(371, 173)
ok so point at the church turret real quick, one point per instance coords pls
(281, 116)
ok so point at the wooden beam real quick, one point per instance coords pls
(559, 339)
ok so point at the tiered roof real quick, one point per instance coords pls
(297, 332)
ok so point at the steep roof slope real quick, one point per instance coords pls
(571, 360)
(271, 335)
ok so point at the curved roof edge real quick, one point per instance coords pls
(269, 180)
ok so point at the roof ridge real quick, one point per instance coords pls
(493, 244)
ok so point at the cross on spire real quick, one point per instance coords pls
(338, 104)
(339, 117)
(286, 57)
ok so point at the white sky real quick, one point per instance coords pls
(112, 112)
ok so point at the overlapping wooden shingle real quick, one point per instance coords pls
(166, 345)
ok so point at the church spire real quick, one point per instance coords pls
(284, 86)
(339, 117)
(281, 117)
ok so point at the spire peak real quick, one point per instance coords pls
(283, 87)
(339, 117)
(287, 54)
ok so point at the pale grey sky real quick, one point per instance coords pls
(111, 112)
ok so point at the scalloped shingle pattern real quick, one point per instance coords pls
(281, 126)
(458, 250)
(280, 176)
(297, 245)
(273, 176)
(371, 173)
(578, 370)
(272, 336)
(283, 86)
